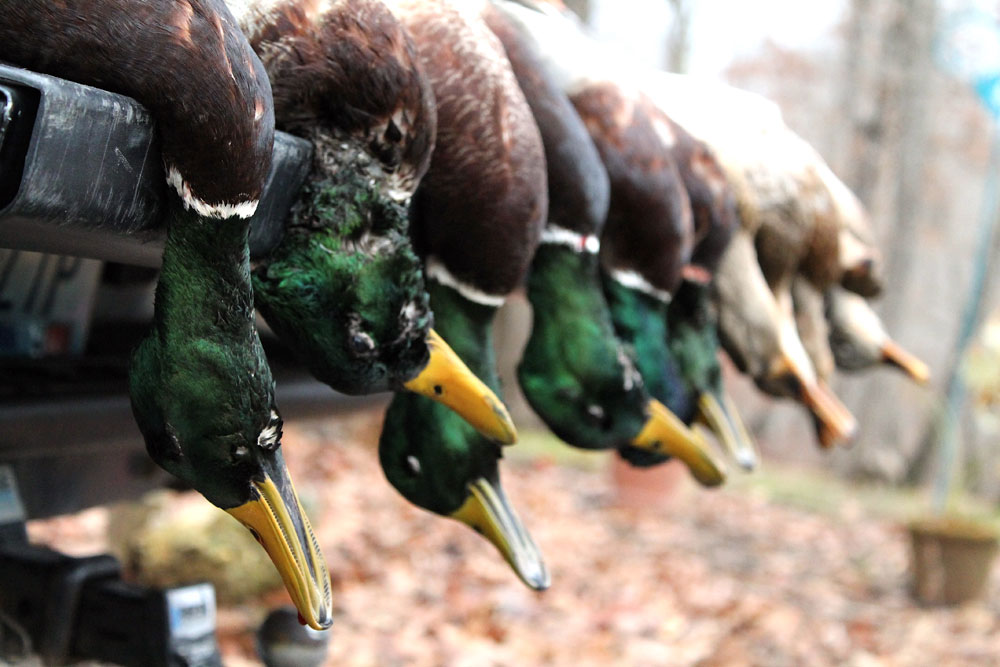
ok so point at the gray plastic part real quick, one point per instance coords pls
(92, 183)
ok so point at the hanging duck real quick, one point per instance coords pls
(477, 218)
(574, 371)
(344, 288)
(858, 338)
(647, 237)
(787, 226)
(202, 392)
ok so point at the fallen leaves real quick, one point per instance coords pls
(701, 578)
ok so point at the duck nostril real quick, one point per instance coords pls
(392, 132)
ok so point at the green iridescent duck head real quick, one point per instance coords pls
(203, 397)
(346, 292)
(694, 343)
(640, 320)
(575, 372)
(441, 464)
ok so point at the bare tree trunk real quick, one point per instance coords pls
(856, 158)
(679, 37)
(887, 90)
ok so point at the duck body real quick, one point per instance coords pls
(201, 390)
(645, 256)
(476, 220)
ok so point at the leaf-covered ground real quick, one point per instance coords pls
(692, 577)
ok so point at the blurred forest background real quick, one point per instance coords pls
(865, 82)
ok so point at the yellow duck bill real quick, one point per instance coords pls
(449, 381)
(665, 433)
(276, 519)
(487, 511)
(719, 414)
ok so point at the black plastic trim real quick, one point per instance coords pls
(92, 183)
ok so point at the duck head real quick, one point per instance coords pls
(344, 289)
(575, 372)
(346, 292)
(640, 320)
(441, 464)
(453, 471)
(859, 339)
(203, 397)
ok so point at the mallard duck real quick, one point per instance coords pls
(344, 288)
(574, 371)
(859, 340)
(202, 392)
(477, 217)
(788, 226)
(647, 238)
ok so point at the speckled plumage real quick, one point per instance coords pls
(346, 73)
(481, 206)
(713, 207)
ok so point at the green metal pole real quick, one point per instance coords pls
(956, 391)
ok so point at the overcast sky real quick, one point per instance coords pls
(721, 29)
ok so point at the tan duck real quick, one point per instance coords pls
(789, 226)
(858, 338)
